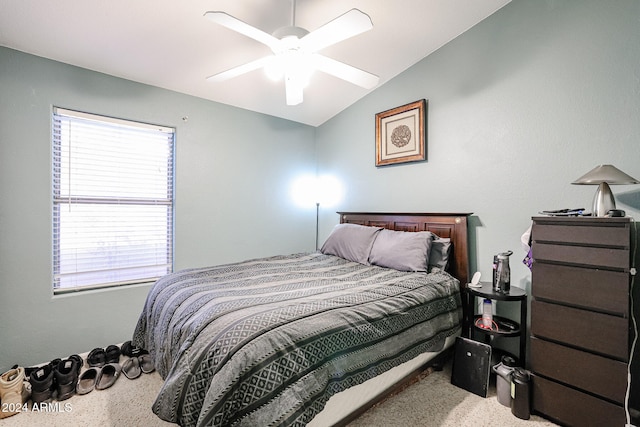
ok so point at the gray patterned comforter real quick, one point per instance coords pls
(268, 341)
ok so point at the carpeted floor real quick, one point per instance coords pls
(432, 401)
(126, 403)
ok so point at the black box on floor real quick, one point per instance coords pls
(471, 366)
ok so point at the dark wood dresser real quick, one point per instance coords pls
(580, 326)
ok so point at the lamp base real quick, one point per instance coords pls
(603, 201)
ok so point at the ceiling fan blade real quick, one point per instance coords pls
(347, 25)
(242, 69)
(345, 72)
(294, 89)
(242, 27)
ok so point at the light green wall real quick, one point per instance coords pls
(233, 172)
(519, 106)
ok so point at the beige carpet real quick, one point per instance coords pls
(127, 403)
(432, 401)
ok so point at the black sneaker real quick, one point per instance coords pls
(41, 381)
(79, 362)
(66, 375)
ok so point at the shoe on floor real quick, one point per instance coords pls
(11, 392)
(41, 381)
(79, 362)
(66, 375)
(112, 354)
(146, 363)
(108, 375)
(31, 369)
(87, 380)
(131, 368)
(97, 357)
(131, 350)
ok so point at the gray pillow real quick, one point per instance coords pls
(439, 256)
(402, 250)
(351, 241)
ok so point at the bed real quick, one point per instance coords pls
(284, 340)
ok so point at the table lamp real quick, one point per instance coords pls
(602, 176)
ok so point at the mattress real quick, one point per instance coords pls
(270, 341)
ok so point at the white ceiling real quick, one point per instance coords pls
(169, 44)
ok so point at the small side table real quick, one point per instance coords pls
(518, 330)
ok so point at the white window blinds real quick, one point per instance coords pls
(112, 201)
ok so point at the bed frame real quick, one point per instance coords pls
(446, 225)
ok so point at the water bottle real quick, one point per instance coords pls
(503, 273)
(487, 313)
(520, 394)
(495, 274)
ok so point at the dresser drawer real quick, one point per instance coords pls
(572, 407)
(599, 290)
(594, 257)
(597, 332)
(595, 374)
(582, 232)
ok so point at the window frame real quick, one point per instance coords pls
(58, 200)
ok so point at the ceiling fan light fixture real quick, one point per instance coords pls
(295, 50)
(294, 64)
(289, 31)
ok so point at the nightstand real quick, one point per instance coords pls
(516, 330)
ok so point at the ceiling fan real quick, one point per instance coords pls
(295, 50)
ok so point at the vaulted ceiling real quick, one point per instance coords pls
(169, 44)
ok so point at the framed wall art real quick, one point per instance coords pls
(401, 134)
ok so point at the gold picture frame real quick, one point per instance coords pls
(401, 134)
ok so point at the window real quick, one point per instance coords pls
(112, 201)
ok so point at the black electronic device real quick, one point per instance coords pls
(471, 366)
(616, 213)
(566, 212)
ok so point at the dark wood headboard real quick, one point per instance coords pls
(451, 225)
